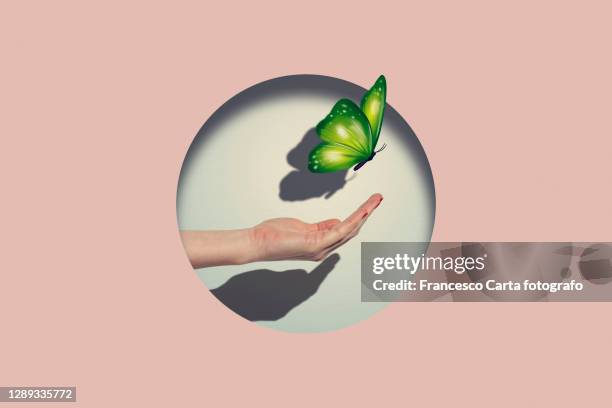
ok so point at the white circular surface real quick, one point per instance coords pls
(232, 175)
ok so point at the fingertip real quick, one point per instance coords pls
(373, 202)
(377, 196)
(375, 199)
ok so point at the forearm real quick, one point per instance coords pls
(214, 248)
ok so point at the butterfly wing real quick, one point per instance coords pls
(329, 157)
(346, 136)
(373, 106)
(346, 125)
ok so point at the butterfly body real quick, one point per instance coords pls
(349, 133)
(363, 163)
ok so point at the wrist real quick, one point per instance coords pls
(247, 244)
(256, 238)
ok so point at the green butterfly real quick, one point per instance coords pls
(350, 133)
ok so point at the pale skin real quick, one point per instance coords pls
(275, 239)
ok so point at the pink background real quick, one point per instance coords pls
(100, 102)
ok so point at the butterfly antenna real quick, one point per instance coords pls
(381, 148)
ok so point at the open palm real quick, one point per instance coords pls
(291, 238)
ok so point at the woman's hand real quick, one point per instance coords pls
(275, 239)
(290, 238)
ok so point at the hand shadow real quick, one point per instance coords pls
(263, 294)
(302, 184)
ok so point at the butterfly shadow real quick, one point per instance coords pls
(264, 294)
(301, 184)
